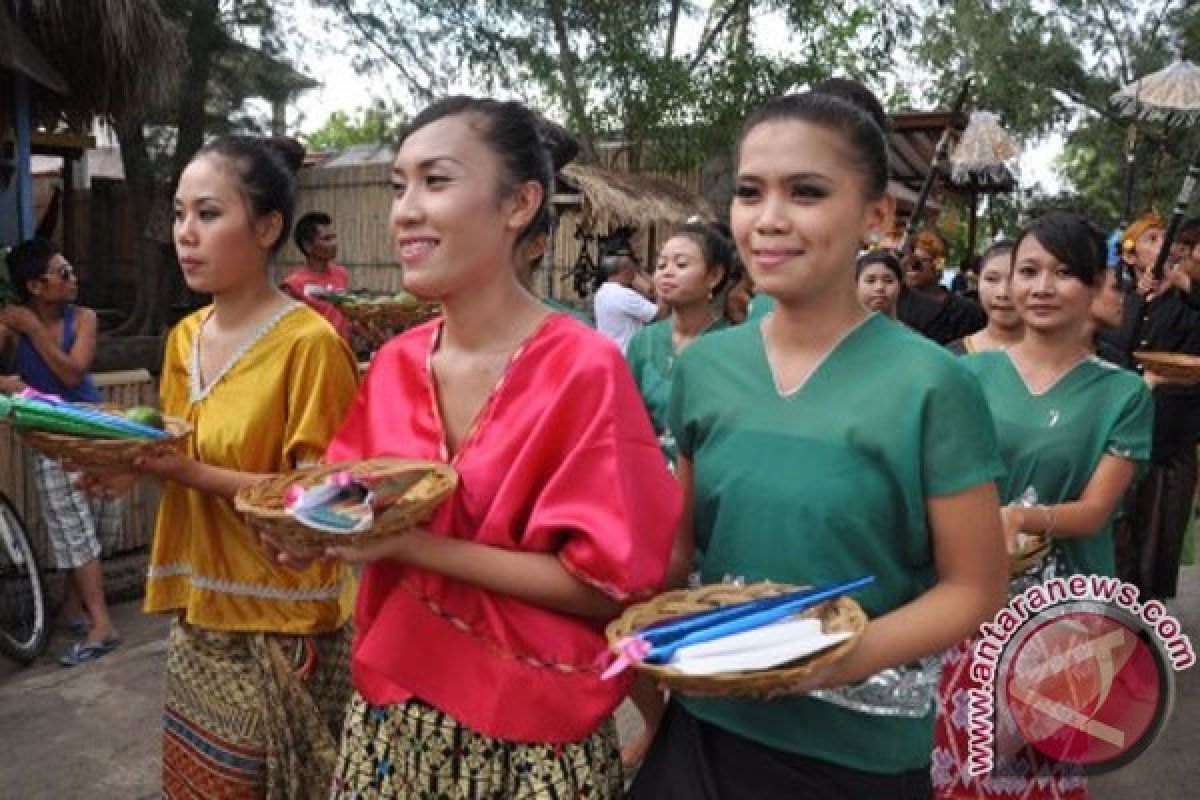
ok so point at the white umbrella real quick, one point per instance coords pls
(1171, 95)
(984, 151)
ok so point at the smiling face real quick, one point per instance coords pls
(452, 223)
(682, 278)
(995, 291)
(878, 289)
(1145, 249)
(800, 210)
(1047, 297)
(219, 244)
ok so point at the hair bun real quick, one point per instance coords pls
(559, 142)
(287, 148)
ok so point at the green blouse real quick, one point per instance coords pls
(651, 356)
(827, 483)
(1054, 441)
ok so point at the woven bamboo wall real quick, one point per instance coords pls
(359, 200)
(128, 388)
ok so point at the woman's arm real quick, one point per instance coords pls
(972, 568)
(539, 579)
(1082, 517)
(197, 475)
(683, 550)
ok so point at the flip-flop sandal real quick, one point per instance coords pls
(82, 652)
(79, 626)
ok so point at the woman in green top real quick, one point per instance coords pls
(821, 444)
(1071, 429)
(691, 269)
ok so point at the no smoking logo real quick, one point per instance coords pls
(1087, 685)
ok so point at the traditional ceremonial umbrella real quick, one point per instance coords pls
(985, 154)
(1170, 96)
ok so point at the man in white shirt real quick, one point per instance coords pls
(620, 310)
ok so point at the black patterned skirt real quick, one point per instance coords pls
(414, 750)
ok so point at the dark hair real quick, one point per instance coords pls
(306, 228)
(290, 150)
(1001, 247)
(529, 148)
(858, 95)
(264, 178)
(716, 249)
(885, 257)
(1189, 232)
(835, 113)
(1072, 240)
(27, 262)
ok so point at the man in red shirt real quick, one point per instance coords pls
(317, 240)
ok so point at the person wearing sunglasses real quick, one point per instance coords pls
(47, 344)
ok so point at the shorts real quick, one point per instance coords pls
(75, 523)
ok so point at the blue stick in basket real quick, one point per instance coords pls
(658, 643)
(667, 631)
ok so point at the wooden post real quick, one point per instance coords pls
(971, 222)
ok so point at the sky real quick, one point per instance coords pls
(343, 88)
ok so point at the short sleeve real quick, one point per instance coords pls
(321, 387)
(607, 491)
(638, 307)
(1132, 432)
(958, 437)
(651, 383)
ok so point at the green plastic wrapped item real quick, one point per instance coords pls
(39, 415)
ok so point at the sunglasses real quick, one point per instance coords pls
(65, 273)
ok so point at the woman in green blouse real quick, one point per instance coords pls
(820, 444)
(1072, 429)
(692, 267)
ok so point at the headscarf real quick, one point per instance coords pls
(1145, 222)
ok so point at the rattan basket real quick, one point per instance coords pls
(87, 451)
(840, 614)
(263, 502)
(390, 314)
(1173, 367)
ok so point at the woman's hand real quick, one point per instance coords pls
(167, 464)
(288, 554)
(1013, 518)
(105, 485)
(394, 548)
(11, 384)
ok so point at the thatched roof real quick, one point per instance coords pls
(116, 56)
(634, 198)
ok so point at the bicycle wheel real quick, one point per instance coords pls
(23, 628)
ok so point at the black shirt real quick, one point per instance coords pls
(1169, 323)
(943, 320)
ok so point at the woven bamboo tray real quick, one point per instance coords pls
(839, 614)
(263, 502)
(1019, 562)
(86, 451)
(392, 314)
(1173, 367)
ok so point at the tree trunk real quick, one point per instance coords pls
(203, 29)
(574, 95)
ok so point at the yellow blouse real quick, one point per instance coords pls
(274, 406)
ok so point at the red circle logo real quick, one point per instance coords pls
(1085, 688)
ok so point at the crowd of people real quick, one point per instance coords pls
(801, 401)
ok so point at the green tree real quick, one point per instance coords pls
(624, 69)
(1071, 57)
(371, 126)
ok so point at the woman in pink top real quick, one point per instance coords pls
(479, 640)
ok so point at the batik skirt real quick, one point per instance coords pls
(414, 750)
(253, 715)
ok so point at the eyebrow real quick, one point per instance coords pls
(795, 176)
(426, 163)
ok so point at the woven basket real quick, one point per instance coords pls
(840, 614)
(1173, 367)
(390, 314)
(263, 502)
(86, 451)
(1018, 563)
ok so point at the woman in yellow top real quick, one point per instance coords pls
(257, 670)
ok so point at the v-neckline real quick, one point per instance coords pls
(1069, 371)
(198, 389)
(485, 410)
(807, 380)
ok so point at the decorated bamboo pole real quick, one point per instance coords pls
(939, 154)
(1127, 191)
(1181, 206)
